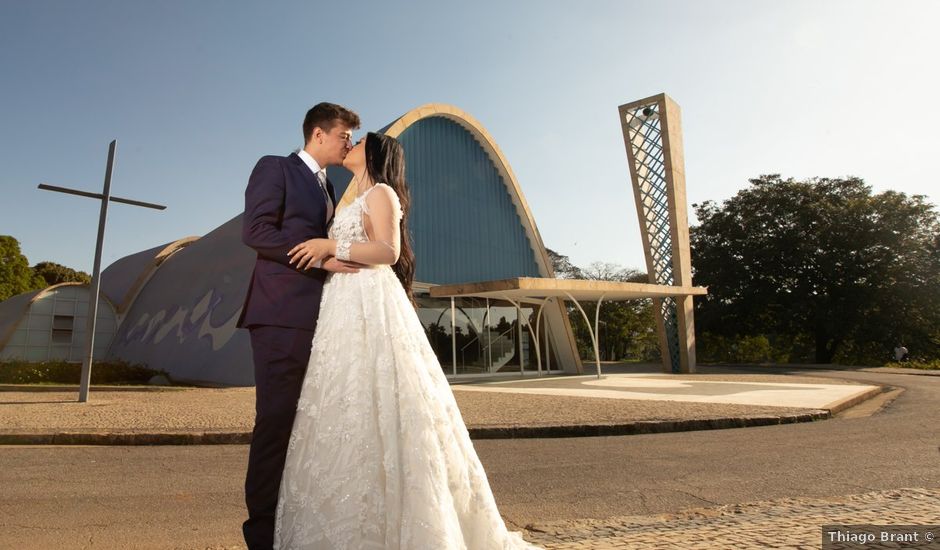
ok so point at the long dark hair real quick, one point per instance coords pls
(385, 162)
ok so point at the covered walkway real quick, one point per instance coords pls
(539, 291)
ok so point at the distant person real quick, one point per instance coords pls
(900, 353)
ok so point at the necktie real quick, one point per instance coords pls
(321, 179)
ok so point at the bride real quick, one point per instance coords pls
(379, 456)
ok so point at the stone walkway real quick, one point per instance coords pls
(204, 409)
(785, 524)
(620, 403)
(793, 523)
(214, 416)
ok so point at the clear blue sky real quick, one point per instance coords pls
(196, 91)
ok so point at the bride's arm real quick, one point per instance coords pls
(384, 246)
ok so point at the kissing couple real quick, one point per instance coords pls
(358, 442)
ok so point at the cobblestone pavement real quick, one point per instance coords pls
(792, 523)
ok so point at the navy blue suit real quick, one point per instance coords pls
(284, 206)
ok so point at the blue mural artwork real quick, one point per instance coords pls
(183, 319)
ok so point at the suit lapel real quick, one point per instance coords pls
(310, 180)
(308, 174)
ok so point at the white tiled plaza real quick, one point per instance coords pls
(684, 388)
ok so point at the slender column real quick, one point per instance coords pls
(453, 334)
(489, 339)
(597, 328)
(538, 348)
(591, 331)
(519, 340)
(535, 334)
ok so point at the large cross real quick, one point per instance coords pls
(105, 197)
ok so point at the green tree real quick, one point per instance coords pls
(15, 275)
(821, 260)
(54, 274)
(627, 329)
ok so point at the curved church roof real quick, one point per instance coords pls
(464, 217)
(12, 309)
(123, 279)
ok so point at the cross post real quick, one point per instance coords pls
(105, 197)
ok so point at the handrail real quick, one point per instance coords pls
(475, 338)
(484, 348)
(510, 329)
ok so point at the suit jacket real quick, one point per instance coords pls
(284, 206)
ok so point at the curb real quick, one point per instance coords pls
(848, 402)
(908, 372)
(478, 432)
(643, 426)
(490, 432)
(818, 366)
(92, 389)
(126, 438)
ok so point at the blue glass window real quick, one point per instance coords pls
(464, 225)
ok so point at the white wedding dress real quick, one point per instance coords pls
(379, 456)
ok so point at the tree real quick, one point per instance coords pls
(603, 271)
(15, 275)
(823, 260)
(54, 274)
(562, 266)
(627, 329)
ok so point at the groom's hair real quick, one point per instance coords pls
(325, 116)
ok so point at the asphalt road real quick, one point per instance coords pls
(190, 497)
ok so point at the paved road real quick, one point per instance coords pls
(190, 497)
(649, 474)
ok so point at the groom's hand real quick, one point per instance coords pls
(310, 252)
(339, 266)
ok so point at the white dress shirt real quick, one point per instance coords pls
(320, 175)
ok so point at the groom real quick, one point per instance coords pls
(288, 200)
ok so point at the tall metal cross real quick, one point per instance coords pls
(105, 197)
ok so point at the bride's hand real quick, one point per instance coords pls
(305, 254)
(339, 266)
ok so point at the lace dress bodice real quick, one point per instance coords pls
(348, 225)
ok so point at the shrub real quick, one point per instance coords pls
(752, 349)
(716, 348)
(61, 372)
(925, 365)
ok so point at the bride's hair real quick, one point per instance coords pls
(385, 162)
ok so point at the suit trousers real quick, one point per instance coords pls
(280, 359)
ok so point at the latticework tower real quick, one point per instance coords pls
(652, 134)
